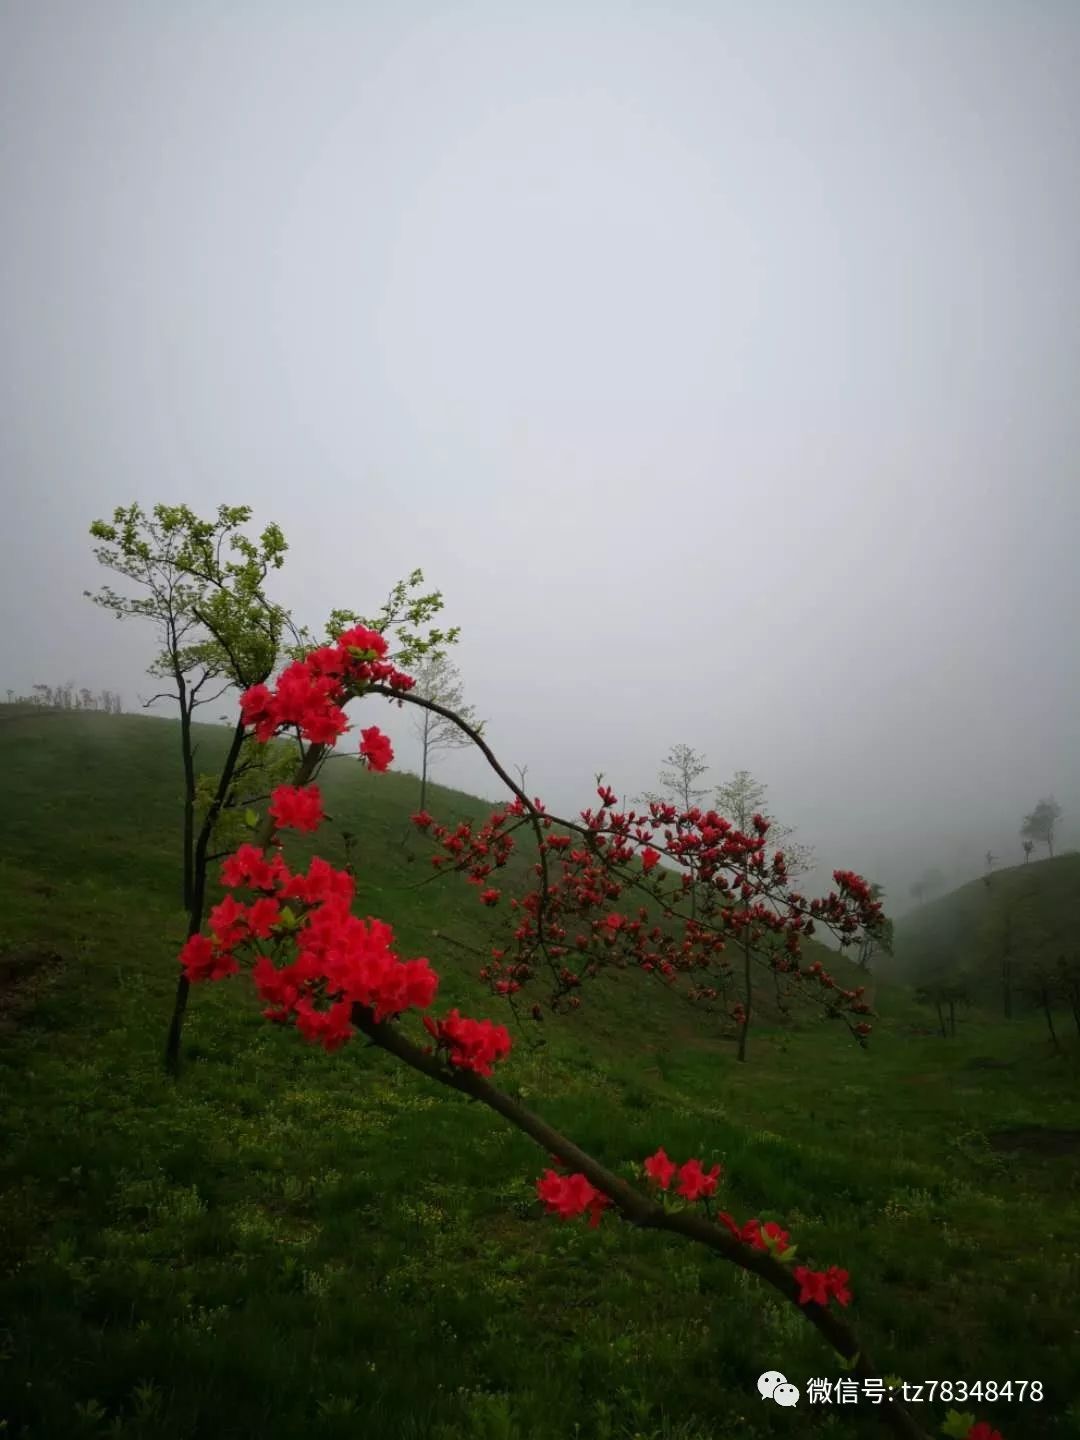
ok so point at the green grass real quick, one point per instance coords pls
(288, 1244)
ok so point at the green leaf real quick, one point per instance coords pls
(788, 1255)
(850, 1364)
(287, 918)
(251, 818)
(957, 1425)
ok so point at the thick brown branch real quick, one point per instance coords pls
(637, 1208)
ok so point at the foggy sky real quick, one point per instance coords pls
(718, 362)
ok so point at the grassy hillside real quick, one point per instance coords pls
(286, 1243)
(1033, 910)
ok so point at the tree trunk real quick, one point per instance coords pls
(197, 898)
(748, 1000)
(952, 1018)
(189, 790)
(941, 1020)
(1050, 1019)
(424, 760)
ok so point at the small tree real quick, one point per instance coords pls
(1028, 846)
(944, 995)
(741, 798)
(929, 883)
(1040, 825)
(875, 942)
(681, 767)
(990, 860)
(1041, 986)
(437, 678)
(200, 583)
(1068, 981)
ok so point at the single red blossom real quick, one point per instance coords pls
(297, 807)
(228, 921)
(376, 748)
(263, 916)
(837, 1282)
(204, 961)
(248, 866)
(983, 1430)
(694, 1183)
(490, 897)
(422, 820)
(649, 858)
(659, 1168)
(359, 637)
(571, 1195)
(812, 1286)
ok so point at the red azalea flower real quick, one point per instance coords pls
(813, 1286)
(297, 808)
(376, 748)
(694, 1184)
(659, 1168)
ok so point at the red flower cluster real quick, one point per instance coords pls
(694, 1183)
(470, 1044)
(375, 748)
(983, 1430)
(571, 1195)
(297, 808)
(310, 693)
(583, 874)
(339, 961)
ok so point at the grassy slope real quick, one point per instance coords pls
(291, 1244)
(964, 932)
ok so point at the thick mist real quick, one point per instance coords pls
(719, 363)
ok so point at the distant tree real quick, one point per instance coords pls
(929, 883)
(682, 766)
(1041, 823)
(437, 679)
(10, 696)
(875, 942)
(1041, 985)
(1007, 964)
(680, 769)
(741, 798)
(1068, 978)
(1029, 845)
(991, 860)
(944, 995)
